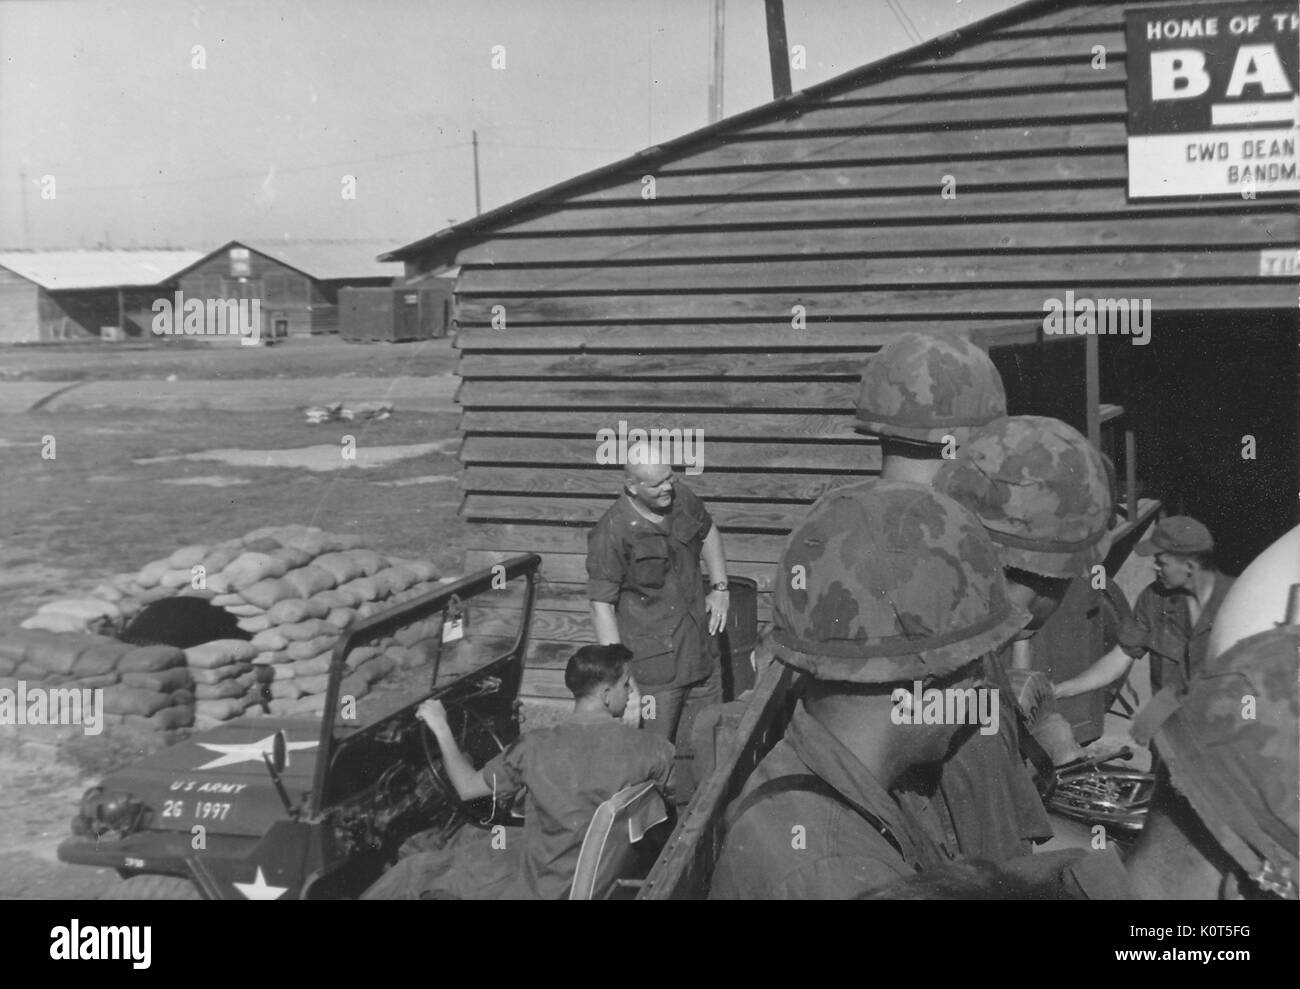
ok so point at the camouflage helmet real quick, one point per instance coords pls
(1237, 765)
(897, 583)
(921, 388)
(1039, 488)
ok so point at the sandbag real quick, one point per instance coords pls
(310, 542)
(294, 610)
(368, 608)
(337, 597)
(309, 580)
(54, 654)
(222, 709)
(243, 685)
(7, 666)
(92, 682)
(168, 719)
(218, 558)
(176, 579)
(363, 588)
(218, 673)
(311, 629)
(226, 600)
(16, 645)
(255, 623)
(285, 706)
(349, 540)
(187, 556)
(311, 684)
(244, 610)
(270, 641)
(312, 647)
(342, 565)
(100, 656)
(56, 621)
(375, 669)
(292, 557)
(221, 652)
(284, 671)
(251, 568)
(129, 607)
(108, 591)
(150, 573)
(163, 681)
(359, 655)
(311, 667)
(265, 594)
(147, 659)
(263, 544)
(341, 618)
(353, 686)
(272, 658)
(156, 593)
(122, 699)
(281, 689)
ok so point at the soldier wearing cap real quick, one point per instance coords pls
(1224, 822)
(922, 395)
(1171, 620)
(885, 585)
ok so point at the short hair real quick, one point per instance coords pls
(593, 667)
(1203, 558)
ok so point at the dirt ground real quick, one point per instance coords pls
(124, 487)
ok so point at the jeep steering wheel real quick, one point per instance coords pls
(473, 734)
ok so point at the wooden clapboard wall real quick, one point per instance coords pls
(676, 311)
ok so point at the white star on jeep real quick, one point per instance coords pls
(249, 752)
(259, 890)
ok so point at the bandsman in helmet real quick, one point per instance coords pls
(887, 597)
(1042, 492)
(923, 395)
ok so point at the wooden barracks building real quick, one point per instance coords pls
(736, 280)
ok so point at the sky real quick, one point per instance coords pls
(172, 123)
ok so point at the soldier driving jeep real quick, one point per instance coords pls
(566, 772)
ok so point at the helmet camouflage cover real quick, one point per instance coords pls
(888, 581)
(921, 388)
(1040, 489)
(1231, 749)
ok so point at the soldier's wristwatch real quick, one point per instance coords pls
(721, 585)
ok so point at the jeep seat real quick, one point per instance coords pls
(607, 852)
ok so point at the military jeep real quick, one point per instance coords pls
(270, 807)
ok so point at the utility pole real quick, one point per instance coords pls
(777, 49)
(27, 228)
(478, 201)
(718, 34)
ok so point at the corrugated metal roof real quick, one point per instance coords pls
(81, 269)
(330, 259)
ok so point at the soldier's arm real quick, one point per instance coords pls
(468, 781)
(603, 620)
(715, 559)
(1106, 670)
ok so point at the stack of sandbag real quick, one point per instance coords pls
(145, 687)
(294, 589)
(226, 683)
(74, 615)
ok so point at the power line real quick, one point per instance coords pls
(908, 28)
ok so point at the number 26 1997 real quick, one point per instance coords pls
(204, 810)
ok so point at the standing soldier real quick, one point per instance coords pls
(883, 585)
(1225, 818)
(922, 395)
(646, 592)
(925, 396)
(1172, 620)
(1041, 492)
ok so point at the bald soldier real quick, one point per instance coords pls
(646, 591)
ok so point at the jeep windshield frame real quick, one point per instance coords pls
(392, 619)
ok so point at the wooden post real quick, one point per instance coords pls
(716, 69)
(1092, 387)
(777, 49)
(121, 313)
(1130, 473)
(478, 201)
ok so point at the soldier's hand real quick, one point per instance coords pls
(632, 712)
(433, 714)
(716, 605)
